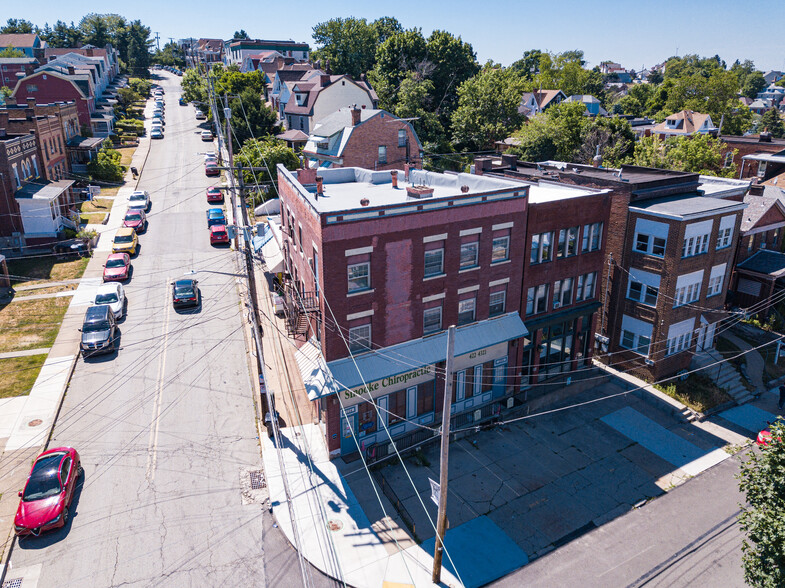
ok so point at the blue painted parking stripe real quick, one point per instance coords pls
(748, 417)
(652, 436)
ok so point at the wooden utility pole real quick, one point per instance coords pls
(441, 519)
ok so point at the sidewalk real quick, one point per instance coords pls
(26, 421)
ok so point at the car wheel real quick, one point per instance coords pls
(79, 470)
(65, 516)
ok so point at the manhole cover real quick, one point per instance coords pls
(15, 583)
(257, 480)
(33, 423)
(335, 524)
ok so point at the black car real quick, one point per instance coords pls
(185, 293)
(99, 331)
(79, 247)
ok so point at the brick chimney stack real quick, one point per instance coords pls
(394, 176)
(355, 115)
(319, 186)
(324, 80)
(71, 70)
(3, 119)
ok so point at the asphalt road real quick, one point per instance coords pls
(166, 427)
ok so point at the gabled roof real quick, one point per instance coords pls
(77, 83)
(312, 87)
(18, 61)
(543, 99)
(689, 122)
(757, 208)
(18, 40)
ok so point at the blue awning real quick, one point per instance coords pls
(260, 240)
(405, 357)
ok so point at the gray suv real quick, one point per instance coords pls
(99, 331)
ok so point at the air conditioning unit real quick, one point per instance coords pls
(556, 305)
(649, 362)
(510, 402)
(477, 415)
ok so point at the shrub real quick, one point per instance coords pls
(106, 165)
(140, 86)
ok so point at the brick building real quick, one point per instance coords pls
(48, 130)
(389, 262)
(47, 87)
(749, 148)
(13, 68)
(367, 138)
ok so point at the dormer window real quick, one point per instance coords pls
(323, 144)
(300, 99)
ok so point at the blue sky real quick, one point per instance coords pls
(633, 33)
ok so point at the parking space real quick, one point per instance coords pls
(548, 479)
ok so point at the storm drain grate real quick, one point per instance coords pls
(257, 480)
(15, 583)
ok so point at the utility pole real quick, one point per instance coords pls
(227, 117)
(157, 40)
(441, 518)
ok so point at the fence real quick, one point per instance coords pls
(388, 491)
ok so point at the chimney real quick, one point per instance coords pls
(355, 115)
(406, 168)
(464, 189)
(30, 102)
(29, 113)
(4, 118)
(597, 159)
(765, 136)
(324, 80)
(510, 160)
(306, 176)
(88, 52)
(71, 70)
(482, 164)
(419, 192)
(394, 176)
(319, 186)
(364, 202)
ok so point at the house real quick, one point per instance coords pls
(378, 266)
(209, 50)
(108, 55)
(533, 103)
(754, 145)
(611, 67)
(773, 95)
(28, 43)
(685, 124)
(762, 224)
(283, 78)
(50, 139)
(761, 105)
(13, 68)
(368, 138)
(312, 98)
(294, 139)
(236, 50)
(593, 106)
(773, 76)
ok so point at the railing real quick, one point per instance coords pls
(298, 307)
(395, 501)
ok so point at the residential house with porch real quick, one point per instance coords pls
(236, 50)
(378, 265)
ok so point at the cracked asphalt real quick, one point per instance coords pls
(166, 425)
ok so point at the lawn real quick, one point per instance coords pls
(110, 191)
(19, 374)
(47, 290)
(95, 218)
(96, 205)
(31, 324)
(697, 391)
(126, 154)
(34, 269)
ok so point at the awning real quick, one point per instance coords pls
(270, 247)
(404, 357)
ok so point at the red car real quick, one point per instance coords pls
(48, 492)
(117, 267)
(211, 169)
(214, 194)
(218, 234)
(764, 437)
(136, 220)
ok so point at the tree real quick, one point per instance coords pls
(95, 30)
(105, 166)
(17, 26)
(385, 27)
(772, 121)
(399, 55)
(137, 56)
(698, 154)
(10, 51)
(415, 102)
(194, 88)
(655, 77)
(528, 65)
(454, 62)
(266, 153)
(487, 108)
(762, 480)
(171, 54)
(349, 44)
(241, 34)
(62, 35)
(251, 117)
(753, 83)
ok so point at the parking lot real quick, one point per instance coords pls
(545, 480)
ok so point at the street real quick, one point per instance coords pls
(166, 427)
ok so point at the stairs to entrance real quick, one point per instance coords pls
(723, 373)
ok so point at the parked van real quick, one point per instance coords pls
(99, 331)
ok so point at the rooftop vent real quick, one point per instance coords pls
(419, 191)
(364, 202)
(464, 189)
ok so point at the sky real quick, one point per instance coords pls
(635, 34)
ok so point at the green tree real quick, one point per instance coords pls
(528, 65)
(194, 88)
(415, 102)
(349, 44)
(753, 83)
(266, 153)
(137, 56)
(385, 27)
(62, 35)
(772, 121)
(655, 77)
(17, 26)
(105, 166)
(399, 55)
(487, 108)
(762, 480)
(698, 154)
(171, 54)
(241, 34)
(453, 62)
(251, 117)
(95, 30)
(10, 51)
(140, 86)
(612, 135)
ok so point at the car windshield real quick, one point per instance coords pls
(43, 481)
(124, 239)
(219, 233)
(106, 298)
(183, 291)
(96, 326)
(133, 217)
(117, 262)
(137, 197)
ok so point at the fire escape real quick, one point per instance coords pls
(299, 307)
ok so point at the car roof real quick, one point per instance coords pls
(117, 256)
(96, 313)
(108, 287)
(139, 192)
(218, 228)
(215, 211)
(124, 231)
(213, 188)
(181, 283)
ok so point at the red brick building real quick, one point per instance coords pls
(47, 87)
(380, 265)
(750, 147)
(361, 137)
(48, 130)
(12, 68)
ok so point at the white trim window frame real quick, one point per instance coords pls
(359, 276)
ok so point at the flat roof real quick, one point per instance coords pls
(543, 191)
(345, 187)
(687, 206)
(714, 186)
(46, 191)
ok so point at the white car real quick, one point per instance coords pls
(113, 295)
(156, 133)
(139, 200)
(207, 135)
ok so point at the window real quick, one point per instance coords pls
(688, 288)
(592, 237)
(425, 398)
(382, 154)
(432, 320)
(466, 310)
(359, 277)
(562, 293)
(360, 338)
(585, 288)
(469, 254)
(434, 262)
(32, 88)
(396, 405)
(568, 242)
(537, 299)
(541, 247)
(679, 336)
(366, 418)
(728, 159)
(643, 287)
(501, 249)
(695, 245)
(725, 234)
(635, 335)
(716, 279)
(401, 138)
(650, 237)
(496, 304)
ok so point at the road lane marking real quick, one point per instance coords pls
(152, 448)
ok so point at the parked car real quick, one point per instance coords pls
(764, 438)
(207, 135)
(125, 241)
(136, 219)
(99, 331)
(182, 102)
(211, 169)
(215, 216)
(185, 293)
(111, 294)
(117, 267)
(156, 133)
(214, 194)
(218, 235)
(200, 115)
(139, 200)
(48, 492)
(79, 247)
